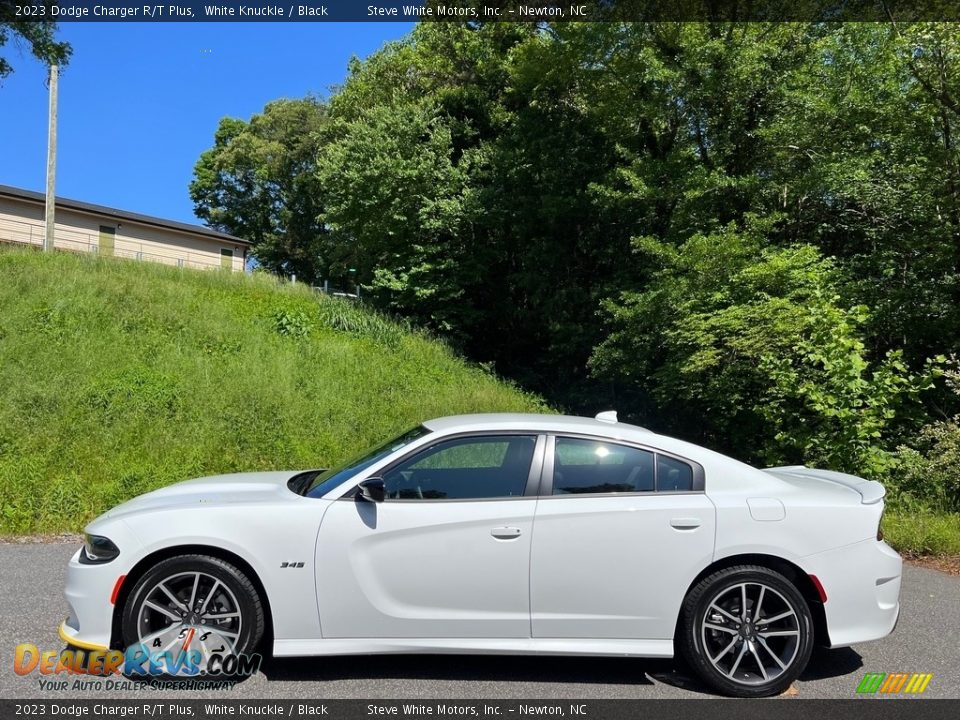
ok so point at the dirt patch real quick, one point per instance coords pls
(59, 538)
(949, 564)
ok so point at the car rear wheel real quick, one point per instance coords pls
(746, 631)
(195, 608)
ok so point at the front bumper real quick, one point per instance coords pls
(64, 631)
(89, 624)
(862, 583)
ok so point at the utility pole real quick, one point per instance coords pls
(51, 161)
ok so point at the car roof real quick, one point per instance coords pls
(541, 423)
(535, 422)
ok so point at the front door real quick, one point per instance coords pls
(619, 535)
(447, 554)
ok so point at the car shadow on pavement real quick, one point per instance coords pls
(485, 668)
(826, 663)
(528, 669)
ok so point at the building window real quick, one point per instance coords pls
(226, 258)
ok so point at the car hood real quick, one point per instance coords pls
(254, 487)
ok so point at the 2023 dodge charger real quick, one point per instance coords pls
(501, 534)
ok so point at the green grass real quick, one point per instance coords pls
(921, 533)
(119, 377)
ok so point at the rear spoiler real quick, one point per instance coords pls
(870, 490)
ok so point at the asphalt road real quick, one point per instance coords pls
(926, 640)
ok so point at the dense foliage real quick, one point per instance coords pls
(930, 473)
(119, 377)
(743, 234)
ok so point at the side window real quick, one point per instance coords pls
(464, 469)
(673, 475)
(592, 466)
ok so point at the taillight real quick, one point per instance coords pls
(821, 593)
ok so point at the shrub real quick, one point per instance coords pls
(929, 471)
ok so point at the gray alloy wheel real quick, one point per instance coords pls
(193, 604)
(189, 611)
(746, 631)
(750, 633)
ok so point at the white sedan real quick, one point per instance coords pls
(506, 533)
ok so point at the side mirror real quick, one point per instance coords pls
(373, 490)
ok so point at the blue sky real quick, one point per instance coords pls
(139, 102)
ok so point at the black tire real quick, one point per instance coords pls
(736, 656)
(173, 571)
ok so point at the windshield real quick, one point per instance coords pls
(329, 479)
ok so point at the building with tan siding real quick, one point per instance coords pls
(83, 227)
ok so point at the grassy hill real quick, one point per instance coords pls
(119, 377)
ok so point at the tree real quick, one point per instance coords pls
(258, 182)
(399, 204)
(464, 187)
(742, 233)
(39, 36)
(747, 346)
(866, 164)
(403, 164)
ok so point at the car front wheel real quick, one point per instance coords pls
(191, 609)
(746, 631)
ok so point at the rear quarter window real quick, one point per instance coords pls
(595, 466)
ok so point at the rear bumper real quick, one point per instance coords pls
(862, 583)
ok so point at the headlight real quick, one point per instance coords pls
(98, 549)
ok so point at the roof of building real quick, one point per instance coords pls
(121, 215)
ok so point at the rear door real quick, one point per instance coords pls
(619, 534)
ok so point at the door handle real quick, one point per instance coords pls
(505, 533)
(687, 523)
